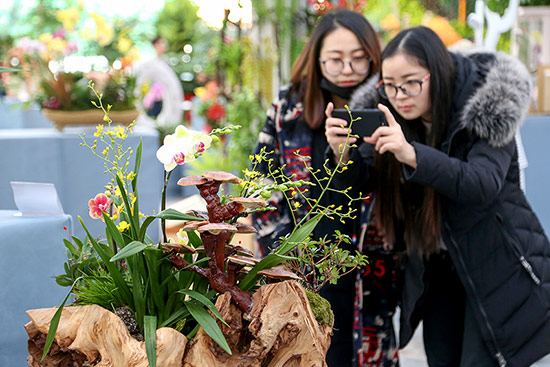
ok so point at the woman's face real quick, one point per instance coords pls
(341, 47)
(403, 70)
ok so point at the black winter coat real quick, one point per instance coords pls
(495, 241)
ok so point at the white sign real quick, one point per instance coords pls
(35, 198)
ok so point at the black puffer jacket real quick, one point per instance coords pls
(493, 237)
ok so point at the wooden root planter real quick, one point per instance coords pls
(280, 330)
(88, 117)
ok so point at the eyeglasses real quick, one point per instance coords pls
(411, 88)
(334, 67)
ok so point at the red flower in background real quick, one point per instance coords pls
(215, 112)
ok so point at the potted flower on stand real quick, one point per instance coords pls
(57, 79)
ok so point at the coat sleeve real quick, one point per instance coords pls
(275, 223)
(478, 179)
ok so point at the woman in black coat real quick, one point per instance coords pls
(446, 178)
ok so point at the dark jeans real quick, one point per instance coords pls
(452, 336)
(341, 297)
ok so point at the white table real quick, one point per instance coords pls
(46, 155)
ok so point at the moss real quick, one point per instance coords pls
(321, 308)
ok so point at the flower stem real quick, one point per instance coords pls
(163, 204)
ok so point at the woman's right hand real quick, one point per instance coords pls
(336, 131)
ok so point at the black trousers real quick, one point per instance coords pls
(452, 337)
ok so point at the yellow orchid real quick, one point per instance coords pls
(122, 226)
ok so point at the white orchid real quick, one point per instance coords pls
(181, 147)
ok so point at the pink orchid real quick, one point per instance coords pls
(101, 203)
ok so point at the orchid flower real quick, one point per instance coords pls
(101, 203)
(181, 147)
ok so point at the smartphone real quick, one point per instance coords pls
(370, 120)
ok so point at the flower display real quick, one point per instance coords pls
(60, 67)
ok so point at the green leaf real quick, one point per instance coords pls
(205, 301)
(4, 69)
(133, 218)
(267, 262)
(111, 268)
(175, 317)
(143, 228)
(136, 171)
(173, 214)
(71, 248)
(194, 239)
(150, 326)
(209, 325)
(113, 231)
(54, 323)
(299, 235)
(131, 249)
(153, 258)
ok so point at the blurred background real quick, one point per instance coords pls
(224, 62)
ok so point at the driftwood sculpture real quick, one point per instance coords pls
(280, 330)
(91, 334)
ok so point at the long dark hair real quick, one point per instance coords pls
(306, 75)
(404, 207)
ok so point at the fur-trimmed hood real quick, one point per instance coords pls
(492, 94)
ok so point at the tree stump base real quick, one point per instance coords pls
(280, 331)
(94, 336)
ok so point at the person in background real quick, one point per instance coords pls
(446, 178)
(342, 53)
(165, 94)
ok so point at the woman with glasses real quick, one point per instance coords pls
(446, 177)
(342, 53)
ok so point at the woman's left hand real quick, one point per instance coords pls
(391, 139)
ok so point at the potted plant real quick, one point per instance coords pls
(57, 76)
(140, 303)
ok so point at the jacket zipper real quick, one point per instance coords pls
(515, 248)
(499, 356)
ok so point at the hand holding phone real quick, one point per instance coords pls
(370, 120)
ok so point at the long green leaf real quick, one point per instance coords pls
(71, 248)
(144, 227)
(4, 69)
(113, 231)
(133, 217)
(131, 249)
(209, 325)
(299, 235)
(153, 258)
(151, 339)
(111, 267)
(54, 323)
(267, 262)
(194, 239)
(205, 301)
(175, 317)
(173, 214)
(136, 172)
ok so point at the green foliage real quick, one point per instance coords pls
(319, 262)
(176, 23)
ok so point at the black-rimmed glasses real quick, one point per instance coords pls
(334, 67)
(410, 88)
